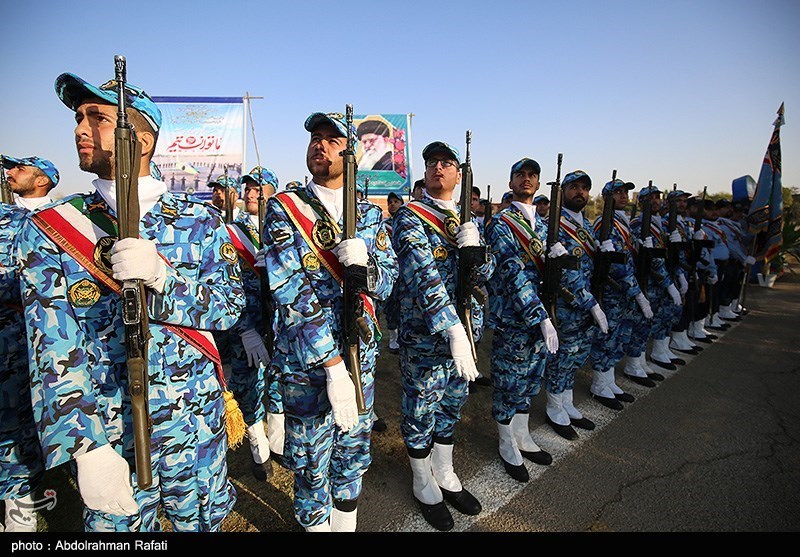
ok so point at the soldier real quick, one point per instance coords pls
(249, 357)
(706, 278)
(506, 200)
(542, 206)
(620, 305)
(436, 360)
(390, 306)
(721, 254)
(21, 461)
(419, 189)
(579, 320)
(524, 335)
(71, 268)
(738, 246)
(327, 441)
(224, 190)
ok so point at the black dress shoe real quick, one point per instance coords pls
(279, 460)
(678, 361)
(262, 472)
(666, 365)
(519, 473)
(437, 515)
(712, 337)
(655, 376)
(564, 431)
(643, 381)
(692, 351)
(612, 403)
(463, 501)
(483, 381)
(379, 425)
(582, 423)
(538, 457)
(715, 328)
(624, 397)
(704, 340)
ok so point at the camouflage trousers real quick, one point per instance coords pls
(21, 463)
(609, 349)
(433, 395)
(249, 386)
(575, 334)
(518, 362)
(665, 315)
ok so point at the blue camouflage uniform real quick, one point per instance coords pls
(738, 253)
(390, 306)
(515, 311)
(79, 382)
(720, 253)
(21, 461)
(328, 465)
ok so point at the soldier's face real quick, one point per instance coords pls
(621, 198)
(542, 208)
(655, 203)
(251, 197)
(440, 181)
(524, 183)
(576, 196)
(394, 205)
(94, 138)
(323, 156)
(218, 198)
(681, 205)
(24, 179)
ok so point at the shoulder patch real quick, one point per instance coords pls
(229, 253)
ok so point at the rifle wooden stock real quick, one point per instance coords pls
(267, 313)
(127, 156)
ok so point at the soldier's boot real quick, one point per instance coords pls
(575, 417)
(716, 323)
(343, 516)
(601, 391)
(393, 345)
(261, 466)
(324, 527)
(557, 416)
(735, 307)
(674, 358)
(680, 341)
(276, 433)
(661, 355)
(699, 334)
(428, 495)
(619, 394)
(20, 514)
(634, 371)
(452, 490)
(726, 312)
(510, 455)
(527, 446)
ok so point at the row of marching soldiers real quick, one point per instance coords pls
(267, 282)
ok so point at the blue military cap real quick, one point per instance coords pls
(440, 147)
(293, 185)
(525, 163)
(648, 190)
(615, 185)
(224, 181)
(261, 175)
(508, 196)
(73, 91)
(44, 165)
(677, 193)
(576, 176)
(336, 119)
(540, 199)
(155, 172)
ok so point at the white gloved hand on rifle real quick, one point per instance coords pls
(644, 305)
(712, 279)
(550, 335)
(136, 258)
(342, 396)
(467, 235)
(674, 294)
(461, 351)
(104, 481)
(699, 235)
(254, 347)
(607, 246)
(351, 252)
(684, 284)
(556, 250)
(648, 242)
(675, 237)
(750, 260)
(599, 317)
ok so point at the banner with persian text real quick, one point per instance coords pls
(200, 138)
(383, 153)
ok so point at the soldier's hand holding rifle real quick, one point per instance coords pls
(104, 480)
(461, 351)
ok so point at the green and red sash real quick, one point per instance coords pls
(526, 236)
(78, 235)
(718, 230)
(245, 243)
(443, 222)
(306, 217)
(579, 234)
(625, 232)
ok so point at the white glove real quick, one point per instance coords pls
(599, 317)
(104, 480)
(699, 235)
(136, 258)
(644, 305)
(607, 246)
(684, 287)
(550, 335)
(556, 250)
(750, 260)
(351, 252)
(674, 294)
(675, 237)
(648, 242)
(461, 351)
(261, 258)
(467, 235)
(342, 395)
(712, 279)
(254, 346)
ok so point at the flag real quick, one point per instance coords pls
(765, 218)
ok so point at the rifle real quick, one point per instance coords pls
(696, 254)
(645, 256)
(267, 313)
(366, 187)
(228, 201)
(551, 287)
(355, 276)
(5, 188)
(487, 214)
(674, 248)
(602, 259)
(469, 257)
(128, 153)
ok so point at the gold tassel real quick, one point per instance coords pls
(234, 420)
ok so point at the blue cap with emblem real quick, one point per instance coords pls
(440, 147)
(617, 184)
(677, 193)
(335, 119)
(576, 176)
(44, 165)
(223, 181)
(525, 163)
(648, 190)
(540, 199)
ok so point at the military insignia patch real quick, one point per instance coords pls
(380, 240)
(450, 226)
(228, 253)
(536, 246)
(525, 258)
(310, 262)
(281, 235)
(323, 235)
(102, 254)
(84, 293)
(582, 235)
(440, 253)
(577, 251)
(96, 206)
(169, 210)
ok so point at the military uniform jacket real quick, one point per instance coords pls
(307, 295)
(736, 238)
(244, 235)
(514, 289)
(79, 384)
(426, 286)
(706, 262)
(720, 239)
(578, 240)
(622, 239)
(658, 267)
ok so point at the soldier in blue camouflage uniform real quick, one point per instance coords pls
(79, 383)
(662, 294)
(579, 320)
(523, 333)
(436, 359)
(327, 441)
(21, 462)
(619, 305)
(249, 379)
(707, 277)
(391, 309)
(739, 243)
(721, 254)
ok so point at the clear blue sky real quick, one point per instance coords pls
(676, 92)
